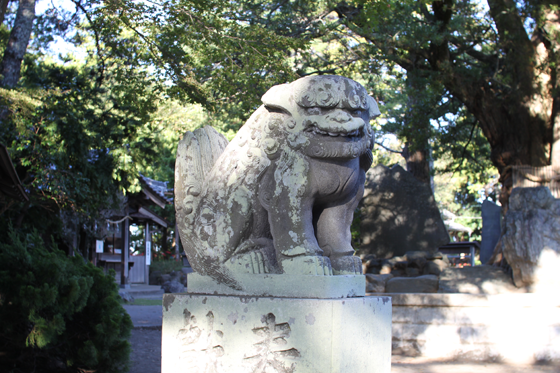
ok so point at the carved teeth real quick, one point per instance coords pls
(317, 131)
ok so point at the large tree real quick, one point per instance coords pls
(17, 43)
(499, 60)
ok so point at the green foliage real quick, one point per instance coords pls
(75, 140)
(355, 230)
(166, 265)
(144, 302)
(198, 51)
(58, 313)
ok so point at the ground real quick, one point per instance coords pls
(146, 350)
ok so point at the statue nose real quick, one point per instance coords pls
(342, 117)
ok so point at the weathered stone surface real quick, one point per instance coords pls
(507, 328)
(209, 333)
(343, 286)
(531, 239)
(385, 269)
(178, 276)
(399, 213)
(434, 267)
(412, 272)
(436, 255)
(376, 283)
(280, 197)
(483, 279)
(155, 278)
(414, 255)
(370, 264)
(126, 296)
(491, 229)
(173, 286)
(417, 263)
(413, 263)
(420, 284)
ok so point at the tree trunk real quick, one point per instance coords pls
(17, 44)
(550, 37)
(418, 163)
(515, 135)
(513, 90)
(515, 121)
(417, 130)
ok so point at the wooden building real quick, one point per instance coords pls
(114, 251)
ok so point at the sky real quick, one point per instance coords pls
(59, 46)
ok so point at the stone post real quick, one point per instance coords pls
(491, 229)
(148, 252)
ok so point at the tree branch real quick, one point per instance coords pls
(389, 149)
(463, 154)
(101, 69)
(515, 41)
(320, 72)
(482, 57)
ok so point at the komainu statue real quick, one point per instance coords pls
(278, 199)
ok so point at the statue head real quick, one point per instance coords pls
(328, 111)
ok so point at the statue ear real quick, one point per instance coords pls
(277, 98)
(373, 109)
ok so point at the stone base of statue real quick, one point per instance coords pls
(234, 333)
(294, 286)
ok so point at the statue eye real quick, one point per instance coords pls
(314, 111)
(356, 113)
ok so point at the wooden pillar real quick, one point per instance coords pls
(125, 283)
(148, 251)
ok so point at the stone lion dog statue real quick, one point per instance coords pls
(280, 197)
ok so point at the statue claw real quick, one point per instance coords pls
(307, 265)
(252, 262)
(347, 265)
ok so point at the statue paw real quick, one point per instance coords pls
(307, 265)
(251, 262)
(347, 265)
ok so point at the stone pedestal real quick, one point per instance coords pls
(270, 285)
(219, 333)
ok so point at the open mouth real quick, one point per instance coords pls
(317, 131)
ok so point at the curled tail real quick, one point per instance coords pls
(196, 154)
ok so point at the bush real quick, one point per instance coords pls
(166, 265)
(58, 314)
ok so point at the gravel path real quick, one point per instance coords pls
(146, 351)
(145, 316)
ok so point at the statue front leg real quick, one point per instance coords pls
(290, 214)
(334, 235)
(294, 239)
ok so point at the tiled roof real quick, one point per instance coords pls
(156, 187)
